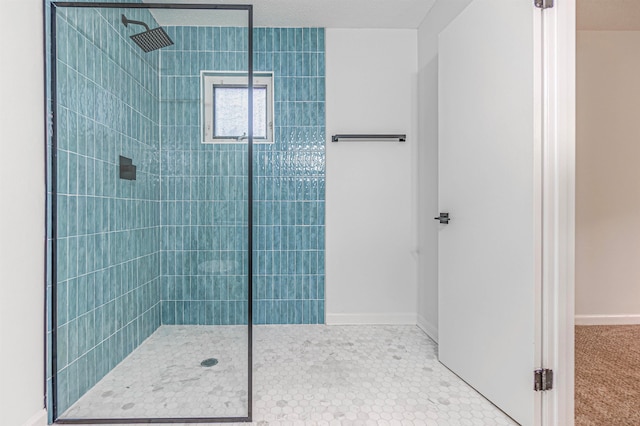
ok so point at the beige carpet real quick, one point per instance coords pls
(608, 375)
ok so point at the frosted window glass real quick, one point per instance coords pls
(231, 110)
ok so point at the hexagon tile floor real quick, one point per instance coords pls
(304, 375)
(163, 377)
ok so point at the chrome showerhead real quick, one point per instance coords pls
(151, 39)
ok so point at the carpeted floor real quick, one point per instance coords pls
(607, 375)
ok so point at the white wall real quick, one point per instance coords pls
(436, 20)
(370, 191)
(608, 178)
(22, 218)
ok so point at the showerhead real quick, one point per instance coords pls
(151, 39)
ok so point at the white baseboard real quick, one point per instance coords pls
(607, 319)
(429, 329)
(378, 319)
(38, 419)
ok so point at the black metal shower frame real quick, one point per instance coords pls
(52, 307)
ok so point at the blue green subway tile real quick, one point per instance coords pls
(91, 330)
(224, 317)
(168, 312)
(287, 312)
(226, 42)
(264, 312)
(317, 312)
(268, 37)
(235, 313)
(190, 38)
(304, 43)
(73, 381)
(180, 313)
(72, 299)
(293, 65)
(70, 171)
(313, 39)
(279, 39)
(306, 311)
(98, 325)
(278, 288)
(208, 313)
(62, 383)
(73, 349)
(91, 291)
(177, 293)
(300, 68)
(257, 317)
(297, 288)
(314, 262)
(298, 314)
(270, 312)
(305, 288)
(290, 286)
(288, 39)
(268, 288)
(320, 91)
(217, 312)
(63, 346)
(320, 265)
(276, 312)
(191, 312)
(314, 285)
(241, 43)
(201, 288)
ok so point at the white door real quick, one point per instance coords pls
(489, 162)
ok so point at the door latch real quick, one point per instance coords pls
(443, 218)
(543, 4)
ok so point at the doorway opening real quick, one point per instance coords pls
(607, 296)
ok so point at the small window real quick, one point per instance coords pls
(225, 102)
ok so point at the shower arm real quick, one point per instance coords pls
(126, 21)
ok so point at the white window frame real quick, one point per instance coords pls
(211, 79)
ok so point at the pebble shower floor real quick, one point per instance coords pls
(329, 375)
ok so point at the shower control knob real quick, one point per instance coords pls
(443, 218)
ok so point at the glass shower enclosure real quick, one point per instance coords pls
(151, 208)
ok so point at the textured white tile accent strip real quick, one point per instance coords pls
(346, 375)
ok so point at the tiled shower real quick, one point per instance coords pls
(199, 180)
(170, 247)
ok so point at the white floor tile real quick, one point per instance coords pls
(303, 375)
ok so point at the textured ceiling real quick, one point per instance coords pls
(608, 15)
(308, 13)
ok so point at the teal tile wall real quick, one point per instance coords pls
(108, 247)
(204, 186)
(289, 181)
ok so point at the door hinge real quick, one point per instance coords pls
(543, 4)
(542, 379)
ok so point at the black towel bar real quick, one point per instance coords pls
(400, 138)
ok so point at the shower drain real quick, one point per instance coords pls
(209, 362)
